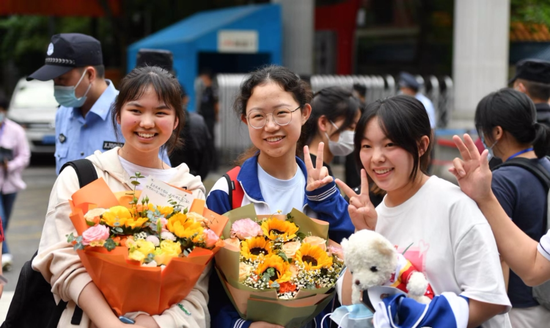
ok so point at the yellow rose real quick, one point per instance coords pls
(136, 256)
(116, 216)
(161, 257)
(290, 248)
(244, 271)
(170, 248)
(316, 241)
(144, 246)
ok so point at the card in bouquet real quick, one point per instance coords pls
(160, 193)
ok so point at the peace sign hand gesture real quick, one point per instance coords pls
(361, 210)
(472, 171)
(317, 176)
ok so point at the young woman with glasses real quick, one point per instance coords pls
(274, 104)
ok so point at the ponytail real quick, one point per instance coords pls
(541, 143)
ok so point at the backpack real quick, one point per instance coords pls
(33, 304)
(541, 293)
(236, 192)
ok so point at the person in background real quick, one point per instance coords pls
(334, 114)
(533, 78)
(209, 108)
(408, 85)
(14, 158)
(74, 62)
(506, 123)
(352, 175)
(195, 151)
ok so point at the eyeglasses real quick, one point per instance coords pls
(282, 116)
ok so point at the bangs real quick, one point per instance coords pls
(165, 91)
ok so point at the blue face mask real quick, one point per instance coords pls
(352, 316)
(490, 149)
(2, 117)
(66, 97)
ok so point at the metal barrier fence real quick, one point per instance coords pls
(231, 135)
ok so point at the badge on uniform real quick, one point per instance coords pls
(62, 138)
(111, 144)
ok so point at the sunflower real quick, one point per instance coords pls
(183, 227)
(255, 247)
(312, 257)
(120, 216)
(274, 228)
(280, 267)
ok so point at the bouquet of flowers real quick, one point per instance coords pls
(142, 256)
(278, 268)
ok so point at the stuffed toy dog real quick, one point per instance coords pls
(374, 261)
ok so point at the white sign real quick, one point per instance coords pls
(159, 193)
(238, 41)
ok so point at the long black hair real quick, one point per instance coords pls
(515, 113)
(404, 121)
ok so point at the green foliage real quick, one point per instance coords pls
(109, 244)
(530, 11)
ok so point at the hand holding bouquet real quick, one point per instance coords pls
(142, 256)
(277, 268)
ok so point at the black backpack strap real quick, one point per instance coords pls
(86, 173)
(85, 170)
(537, 170)
(534, 167)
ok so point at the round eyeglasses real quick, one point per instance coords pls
(281, 116)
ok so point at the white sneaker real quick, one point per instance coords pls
(7, 262)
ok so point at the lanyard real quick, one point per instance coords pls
(520, 152)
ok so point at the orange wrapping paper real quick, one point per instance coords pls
(126, 285)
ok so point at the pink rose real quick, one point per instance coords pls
(245, 228)
(211, 238)
(316, 241)
(97, 233)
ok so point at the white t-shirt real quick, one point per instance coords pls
(452, 243)
(544, 245)
(160, 174)
(282, 194)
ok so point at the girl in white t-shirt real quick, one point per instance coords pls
(529, 260)
(446, 234)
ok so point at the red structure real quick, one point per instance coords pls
(342, 18)
(87, 8)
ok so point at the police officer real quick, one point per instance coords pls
(533, 78)
(83, 121)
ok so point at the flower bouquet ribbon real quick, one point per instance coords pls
(119, 271)
(280, 269)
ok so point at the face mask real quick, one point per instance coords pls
(2, 117)
(66, 97)
(344, 145)
(352, 316)
(490, 149)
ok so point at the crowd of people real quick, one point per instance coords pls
(485, 241)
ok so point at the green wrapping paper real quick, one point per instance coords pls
(263, 305)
